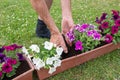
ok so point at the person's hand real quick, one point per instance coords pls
(67, 25)
(57, 39)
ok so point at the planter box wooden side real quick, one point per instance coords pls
(28, 75)
(66, 64)
(79, 59)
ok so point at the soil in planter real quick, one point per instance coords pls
(72, 52)
(24, 66)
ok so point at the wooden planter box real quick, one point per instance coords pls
(28, 75)
(79, 59)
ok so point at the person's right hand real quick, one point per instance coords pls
(57, 39)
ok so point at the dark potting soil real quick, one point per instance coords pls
(73, 52)
(24, 66)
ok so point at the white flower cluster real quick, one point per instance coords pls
(53, 62)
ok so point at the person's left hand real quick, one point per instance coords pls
(67, 25)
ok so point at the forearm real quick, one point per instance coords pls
(66, 8)
(42, 10)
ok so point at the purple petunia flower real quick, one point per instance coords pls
(117, 22)
(89, 33)
(100, 28)
(91, 27)
(2, 49)
(77, 26)
(20, 56)
(94, 31)
(78, 45)
(0, 74)
(11, 61)
(2, 56)
(12, 47)
(105, 25)
(96, 36)
(71, 36)
(97, 20)
(108, 38)
(7, 68)
(115, 14)
(114, 29)
(103, 17)
(84, 26)
(81, 30)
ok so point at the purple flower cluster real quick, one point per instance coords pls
(12, 47)
(81, 32)
(82, 28)
(108, 38)
(89, 29)
(78, 45)
(70, 36)
(6, 61)
(94, 34)
(109, 25)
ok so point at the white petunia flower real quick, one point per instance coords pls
(57, 56)
(35, 48)
(50, 61)
(38, 63)
(29, 57)
(52, 69)
(24, 50)
(57, 63)
(48, 45)
(59, 50)
(35, 60)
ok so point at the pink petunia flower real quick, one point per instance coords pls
(12, 47)
(78, 45)
(11, 61)
(7, 68)
(117, 22)
(114, 29)
(105, 25)
(0, 74)
(108, 38)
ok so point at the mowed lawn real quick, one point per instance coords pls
(18, 23)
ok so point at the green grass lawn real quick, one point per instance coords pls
(18, 23)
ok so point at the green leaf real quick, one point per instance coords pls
(2, 76)
(16, 65)
(12, 73)
(114, 41)
(0, 66)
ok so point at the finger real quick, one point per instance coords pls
(64, 47)
(67, 40)
(58, 44)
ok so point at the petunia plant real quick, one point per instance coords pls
(109, 25)
(85, 37)
(46, 56)
(10, 59)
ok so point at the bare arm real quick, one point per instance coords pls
(66, 8)
(67, 21)
(42, 10)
